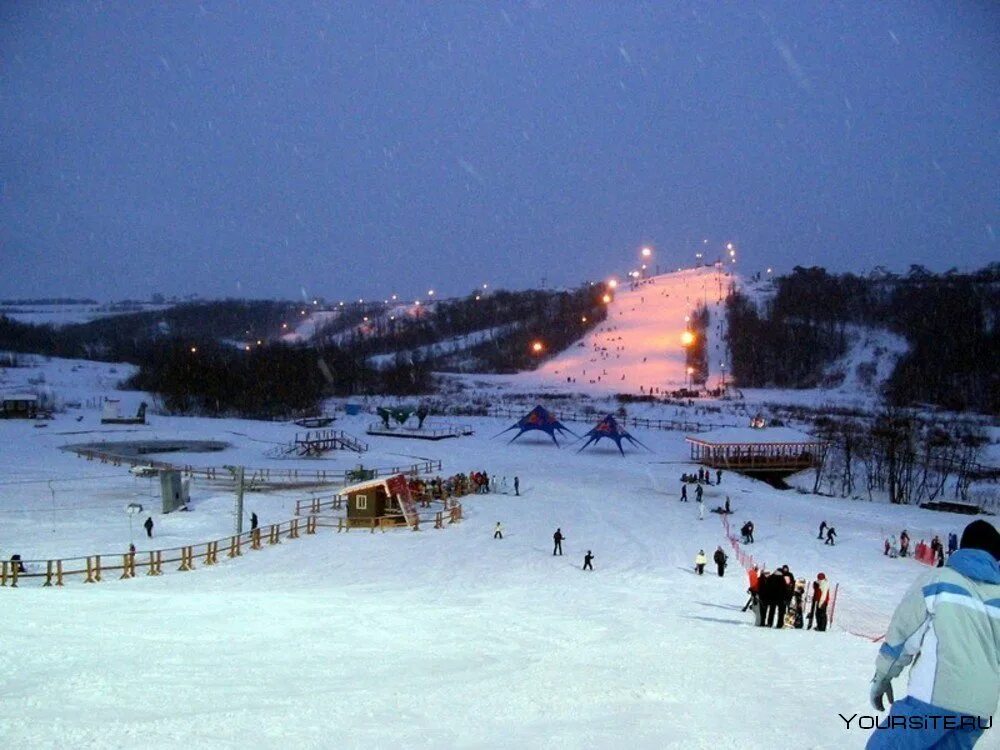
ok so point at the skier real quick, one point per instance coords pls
(830, 534)
(684, 493)
(253, 521)
(586, 561)
(498, 531)
(728, 511)
(944, 626)
(701, 510)
(720, 561)
(558, 539)
(699, 562)
(822, 528)
(148, 525)
(517, 487)
(718, 476)
(698, 492)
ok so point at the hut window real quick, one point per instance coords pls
(361, 502)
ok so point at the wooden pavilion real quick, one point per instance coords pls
(752, 450)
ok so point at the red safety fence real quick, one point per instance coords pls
(850, 617)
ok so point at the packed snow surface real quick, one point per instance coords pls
(436, 638)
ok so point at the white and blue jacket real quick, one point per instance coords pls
(948, 625)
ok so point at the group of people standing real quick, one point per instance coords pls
(933, 553)
(780, 600)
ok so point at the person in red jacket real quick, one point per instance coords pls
(753, 576)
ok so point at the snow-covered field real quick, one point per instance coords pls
(439, 638)
(58, 315)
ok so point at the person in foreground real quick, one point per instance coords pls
(948, 626)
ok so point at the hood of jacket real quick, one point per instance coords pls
(976, 564)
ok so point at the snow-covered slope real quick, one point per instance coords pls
(639, 344)
(438, 638)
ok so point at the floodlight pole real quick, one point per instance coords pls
(239, 500)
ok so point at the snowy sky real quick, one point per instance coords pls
(344, 149)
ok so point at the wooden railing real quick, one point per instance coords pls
(95, 568)
(266, 475)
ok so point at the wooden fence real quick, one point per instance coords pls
(95, 568)
(264, 476)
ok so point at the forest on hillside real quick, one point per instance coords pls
(193, 356)
(950, 322)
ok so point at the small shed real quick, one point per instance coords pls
(371, 500)
(780, 450)
(19, 406)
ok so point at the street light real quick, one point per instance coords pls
(537, 347)
(687, 338)
(606, 299)
(613, 283)
(646, 252)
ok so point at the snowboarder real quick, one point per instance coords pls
(498, 531)
(254, 523)
(830, 534)
(684, 493)
(720, 561)
(955, 676)
(701, 511)
(517, 487)
(557, 538)
(587, 560)
(822, 528)
(148, 525)
(699, 562)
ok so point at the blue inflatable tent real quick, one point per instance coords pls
(538, 418)
(609, 428)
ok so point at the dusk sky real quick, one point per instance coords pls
(275, 149)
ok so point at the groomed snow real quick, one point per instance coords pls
(437, 638)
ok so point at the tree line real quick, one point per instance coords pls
(950, 322)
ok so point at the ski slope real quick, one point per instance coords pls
(639, 345)
(436, 638)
